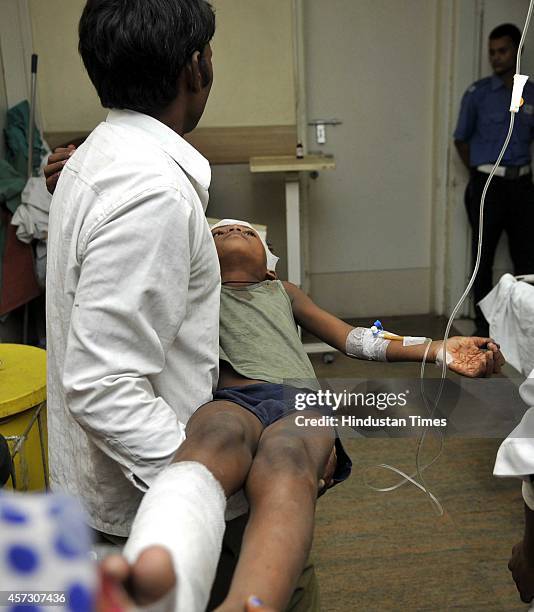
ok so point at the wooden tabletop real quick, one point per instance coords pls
(289, 163)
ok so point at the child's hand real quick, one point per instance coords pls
(473, 357)
(522, 572)
(56, 161)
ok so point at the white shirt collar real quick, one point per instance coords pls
(186, 156)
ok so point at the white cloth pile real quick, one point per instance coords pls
(31, 219)
(509, 310)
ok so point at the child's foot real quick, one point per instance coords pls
(149, 579)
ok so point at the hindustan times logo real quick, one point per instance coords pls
(333, 400)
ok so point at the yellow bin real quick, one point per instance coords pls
(23, 413)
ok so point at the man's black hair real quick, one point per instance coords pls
(507, 29)
(135, 50)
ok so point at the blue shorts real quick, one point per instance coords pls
(271, 402)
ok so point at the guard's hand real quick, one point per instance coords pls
(329, 471)
(56, 162)
(474, 357)
(522, 573)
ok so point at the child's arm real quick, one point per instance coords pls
(469, 358)
(334, 331)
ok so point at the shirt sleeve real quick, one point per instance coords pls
(465, 127)
(130, 300)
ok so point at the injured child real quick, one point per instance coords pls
(247, 438)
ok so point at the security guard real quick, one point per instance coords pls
(482, 127)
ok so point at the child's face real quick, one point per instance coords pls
(239, 244)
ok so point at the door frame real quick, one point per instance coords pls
(458, 59)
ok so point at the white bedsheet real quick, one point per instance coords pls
(509, 309)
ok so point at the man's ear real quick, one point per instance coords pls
(194, 73)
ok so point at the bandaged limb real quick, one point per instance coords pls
(183, 511)
(363, 344)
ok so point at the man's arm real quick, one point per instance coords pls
(469, 358)
(130, 300)
(465, 128)
(463, 152)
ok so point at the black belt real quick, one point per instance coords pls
(506, 172)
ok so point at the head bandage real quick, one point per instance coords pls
(272, 259)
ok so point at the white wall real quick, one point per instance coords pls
(253, 64)
(254, 81)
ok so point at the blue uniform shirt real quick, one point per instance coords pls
(484, 121)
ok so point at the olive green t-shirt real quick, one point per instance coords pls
(258, 335)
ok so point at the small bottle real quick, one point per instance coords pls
(300, 151)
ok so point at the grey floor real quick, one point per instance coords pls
(390, 551)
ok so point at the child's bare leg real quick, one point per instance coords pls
(223, 438)
(282, 490)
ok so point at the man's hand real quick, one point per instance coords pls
(522, 572)
(473, 357)
(56, 162)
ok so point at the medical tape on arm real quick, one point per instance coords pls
(363, 344)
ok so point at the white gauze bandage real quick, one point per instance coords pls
(363, 344)
(439, 357)
(183, 511)
(272, 259)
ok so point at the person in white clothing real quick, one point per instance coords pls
(516, 458)
(133, 282)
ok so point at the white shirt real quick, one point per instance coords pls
(133, 287)
(515, 456)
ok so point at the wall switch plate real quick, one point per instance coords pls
(320, 133)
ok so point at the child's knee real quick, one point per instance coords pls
(221, 432)
(286, 456)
